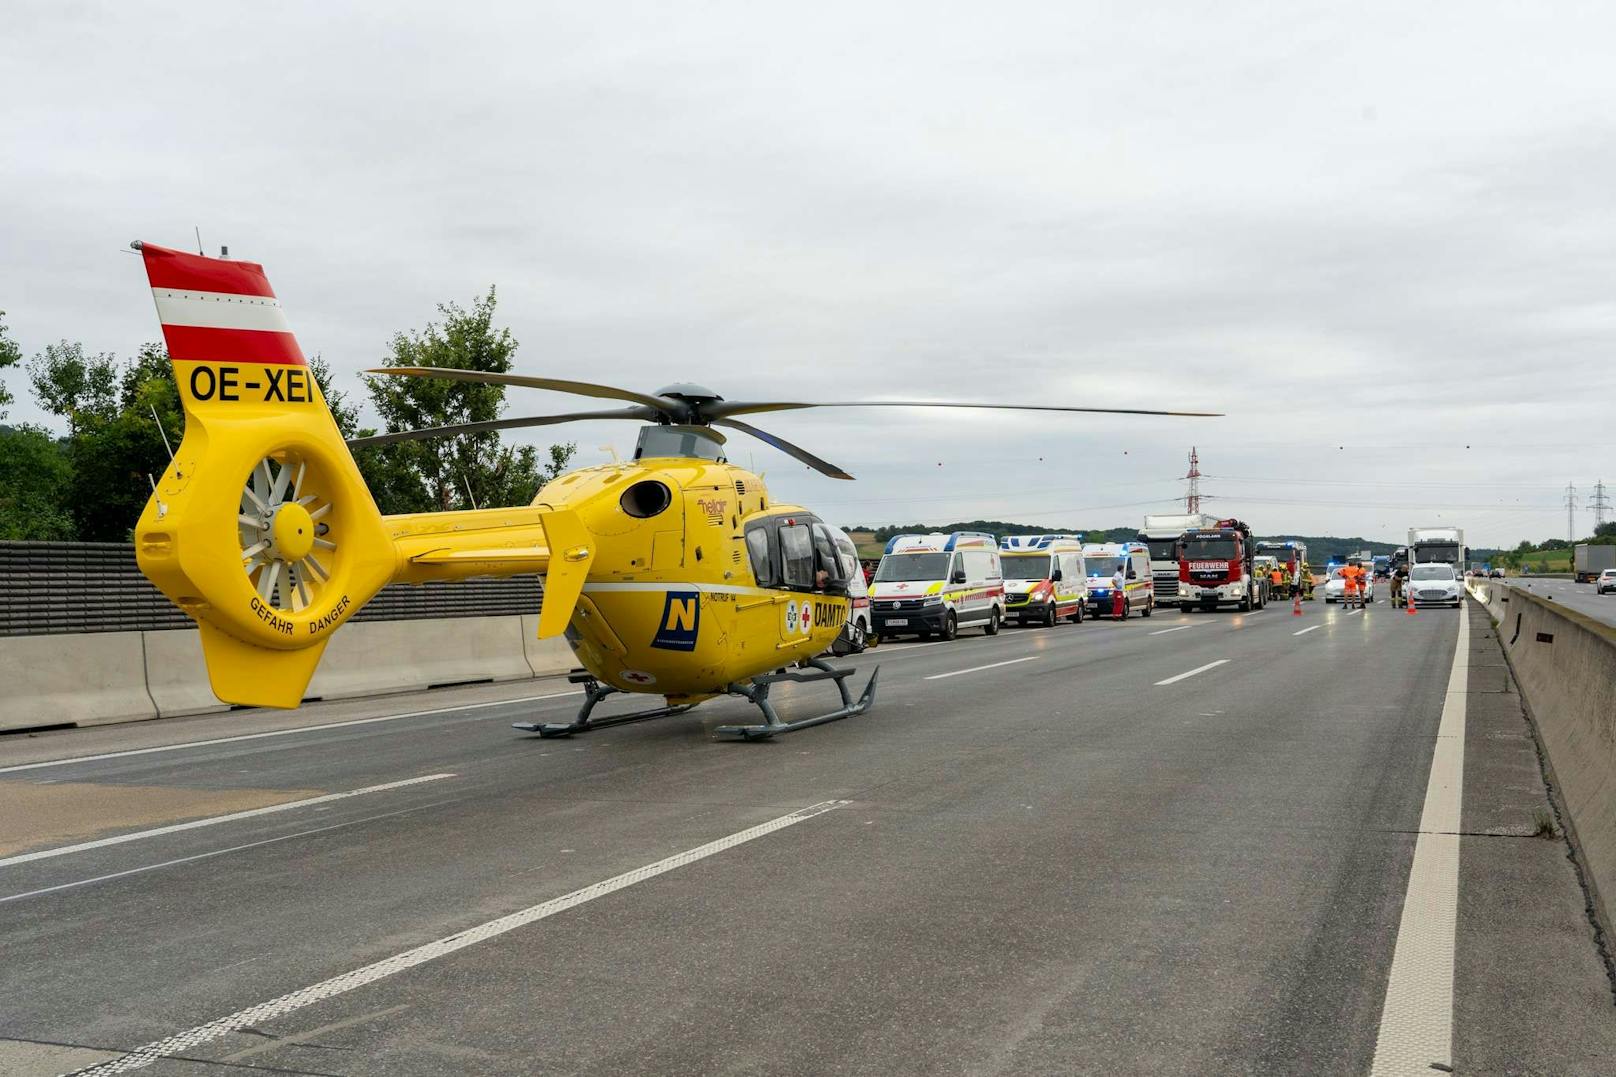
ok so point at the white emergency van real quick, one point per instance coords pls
(938, 584)
(858, 591)
(1101, 559)
(1044, 578)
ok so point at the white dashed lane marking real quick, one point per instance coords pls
(1193, 672)
(978, 669)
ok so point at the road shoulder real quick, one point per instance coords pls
(1532, 994)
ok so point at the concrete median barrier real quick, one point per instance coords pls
(375, 657)
(73, 679)
(1565, 665)
(98, 677)
(176, 676)
(546, 657)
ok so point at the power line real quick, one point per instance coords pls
(1571, 511)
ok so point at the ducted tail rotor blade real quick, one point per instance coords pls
(724, 408)
(634, 414)
(557, 385)
(824, 467)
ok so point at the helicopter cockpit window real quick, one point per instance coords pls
(796, 556)
(830, 572)
(757, 549)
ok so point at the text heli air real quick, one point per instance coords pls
(1044, 578)
(1101, 560)
(938, 583)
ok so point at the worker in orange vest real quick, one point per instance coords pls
(1352, 580)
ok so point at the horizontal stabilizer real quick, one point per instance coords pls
(534, 558)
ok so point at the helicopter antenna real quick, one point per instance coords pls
(611, 449)
(161, 431)
(199, 249)
(469, 495)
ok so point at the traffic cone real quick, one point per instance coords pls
(1296, 604)
(1408, 600)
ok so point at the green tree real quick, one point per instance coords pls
(34, 480)
(468, 469)
(117, 417)
(10, 355)
(80, 388)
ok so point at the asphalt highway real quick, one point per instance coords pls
(1176, 845)
(1581, 597)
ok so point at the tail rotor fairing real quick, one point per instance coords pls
(283, 528)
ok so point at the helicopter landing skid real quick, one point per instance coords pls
(594, 692)
(758, 692)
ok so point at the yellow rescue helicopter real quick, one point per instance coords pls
(674, 574)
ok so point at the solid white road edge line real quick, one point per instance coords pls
(1305, 631)
(978, 669)
(203, 856)
(1164, 631)
(144, 1056)
(214, 820)
(1193, 672)
(281, 732)
(1416, 1022)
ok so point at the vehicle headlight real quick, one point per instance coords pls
(933, 600)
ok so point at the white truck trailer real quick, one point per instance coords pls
(1163, 534)
(1438, 545)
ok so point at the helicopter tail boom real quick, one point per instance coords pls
(262, 529)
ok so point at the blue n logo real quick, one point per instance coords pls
(681, 617)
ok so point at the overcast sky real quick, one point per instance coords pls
(1382, 237)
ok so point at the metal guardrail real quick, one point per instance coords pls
(50, 588)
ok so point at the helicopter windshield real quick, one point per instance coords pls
(912, 567)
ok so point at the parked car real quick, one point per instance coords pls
(1335, 588)
(1435, 584)
(1606, 581)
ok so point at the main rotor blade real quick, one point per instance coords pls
(636, 414)
(576, 388)
(722, 408)
(823, 466)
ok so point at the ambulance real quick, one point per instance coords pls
(1044, 578)
(938, 584)
(1101, 560)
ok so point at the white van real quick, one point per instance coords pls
(1101, 560)
(858, 592)
(1044, 578)
(938, 584)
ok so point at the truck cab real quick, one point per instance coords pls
(1216, 568)
(1163, 535)
(938, 584)
(1044, 578)
(1291, 557)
